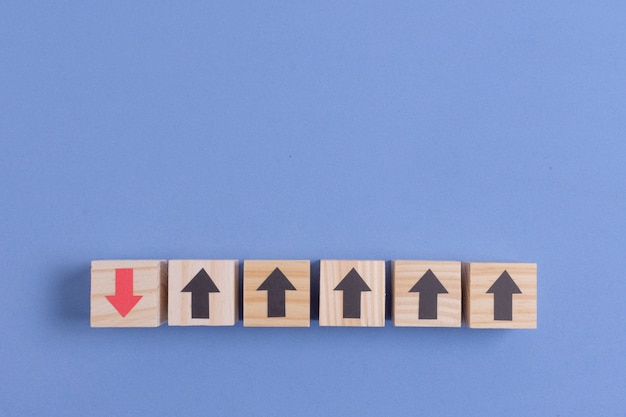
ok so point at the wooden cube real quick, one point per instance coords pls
(203, 292)
(128, 293)
(426, 293)
(276, 293)
(352, 293)
(500, 295)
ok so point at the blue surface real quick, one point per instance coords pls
(463, 131)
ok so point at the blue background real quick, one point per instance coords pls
(485, 131)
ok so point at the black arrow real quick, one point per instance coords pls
(276, 284)
(429, 287)
(352, 285)
(503, 290)
(200, 287)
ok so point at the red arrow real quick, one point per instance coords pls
(124, 300)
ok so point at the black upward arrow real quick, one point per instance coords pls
(503, 290)
(200, 287)
(429, 287)
(352, 285)
(276, 284)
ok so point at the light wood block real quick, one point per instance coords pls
(426, 293)
(276, 293)
(352, 293)
(500, 295)
(203, 292)
(128, 293)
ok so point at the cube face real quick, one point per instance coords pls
(203, 292)
(426, 293)
(500, 295)
(276, 293)
(352, 293)
(128, 293)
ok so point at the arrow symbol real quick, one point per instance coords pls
(200, 287)
(503, 290)
(428, 287)
(352, 285)
(124, 300)
(276, 284)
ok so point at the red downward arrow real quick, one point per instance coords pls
(124, 300)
